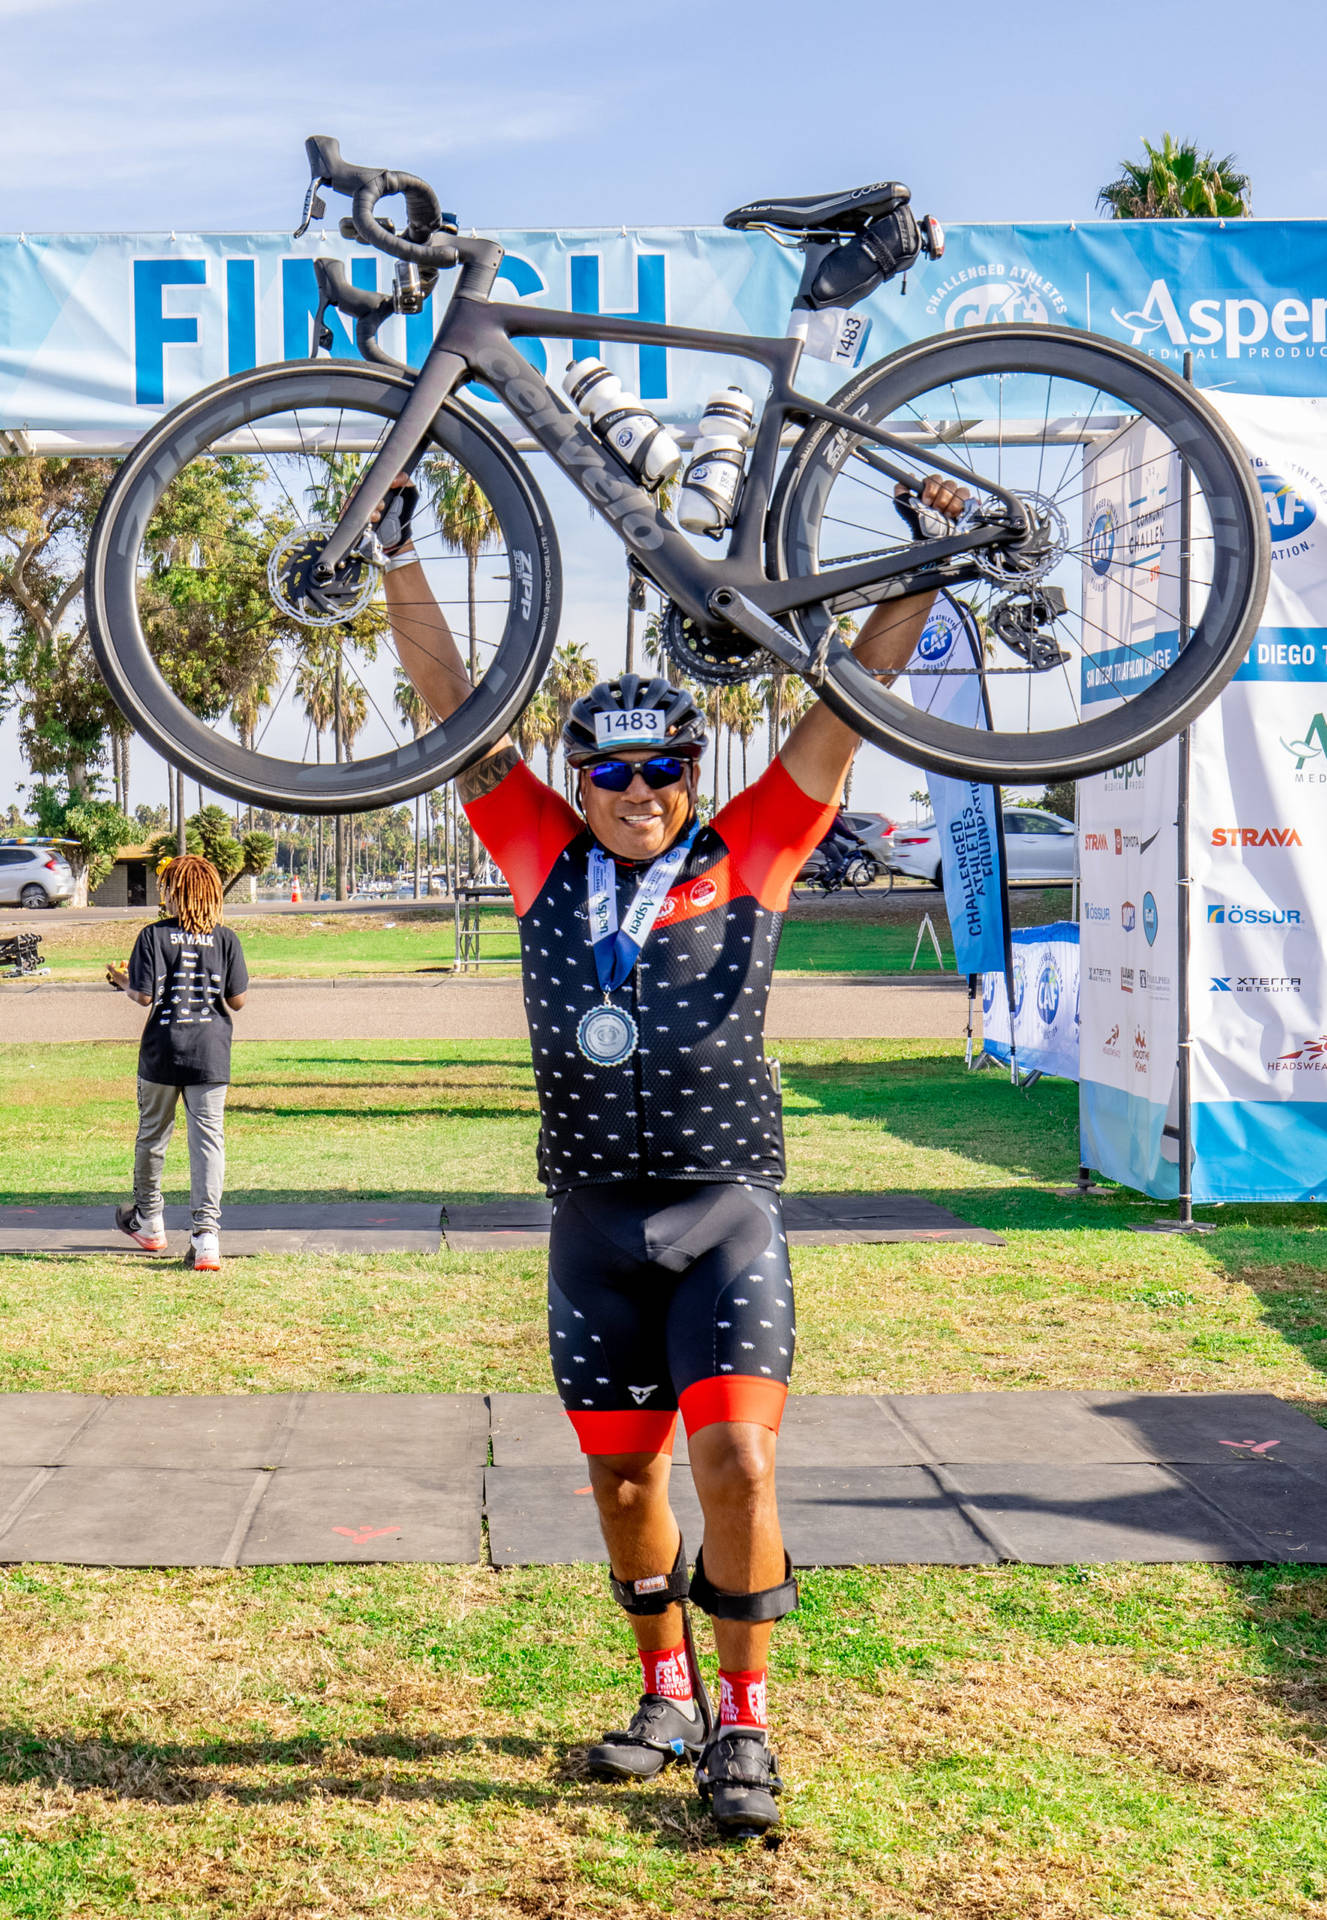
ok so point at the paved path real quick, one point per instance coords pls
(404, 1007)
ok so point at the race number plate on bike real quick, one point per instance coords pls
(832, 334)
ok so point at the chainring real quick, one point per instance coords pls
(716, 661)
(318, 603)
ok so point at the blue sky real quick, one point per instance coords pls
(144, 115)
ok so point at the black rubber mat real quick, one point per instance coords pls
(1057, 1515)
(820, 1219)
(953, 1479)
(310, 1515)
(868, 1516)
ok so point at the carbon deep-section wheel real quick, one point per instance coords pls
(1094, 648)
(221, 646)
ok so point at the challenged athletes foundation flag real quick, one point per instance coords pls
(944, 680)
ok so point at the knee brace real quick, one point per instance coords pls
(657, 1591)
(771, 1603)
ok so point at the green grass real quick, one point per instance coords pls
(978, 1744)
(876, 935)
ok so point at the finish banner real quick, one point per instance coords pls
(100, 332)
(1256, 844)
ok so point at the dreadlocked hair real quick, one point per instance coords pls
(193, 887)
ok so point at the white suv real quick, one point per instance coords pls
(34, 876)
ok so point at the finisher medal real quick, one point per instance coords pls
(607, 1035)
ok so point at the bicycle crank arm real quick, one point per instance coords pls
(726, 604)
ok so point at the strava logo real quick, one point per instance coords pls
(1255, 837)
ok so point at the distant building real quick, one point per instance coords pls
(131, 882)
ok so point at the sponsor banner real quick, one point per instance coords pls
(965, 810)
(1045, 1005)
(101, 331)
(1127, 825)
(1258, 900)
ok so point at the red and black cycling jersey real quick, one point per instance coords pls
(695, 1101)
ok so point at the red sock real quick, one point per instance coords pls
(743, 1698)
(667, 1672)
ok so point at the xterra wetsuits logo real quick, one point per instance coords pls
(1227, 328)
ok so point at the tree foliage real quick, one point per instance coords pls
(1178, 181)
(211, 832)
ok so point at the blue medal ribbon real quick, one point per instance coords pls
(618, 948)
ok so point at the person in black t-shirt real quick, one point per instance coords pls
(190, 971)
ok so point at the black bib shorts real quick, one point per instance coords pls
(667, 1295)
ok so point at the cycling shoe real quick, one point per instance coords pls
(738, 1777)
(661, 1733)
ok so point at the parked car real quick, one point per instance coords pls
(1038, 846)
(34, 876)
(876, 834)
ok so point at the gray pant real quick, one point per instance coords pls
(205, 1112)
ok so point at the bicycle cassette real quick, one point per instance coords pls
(1044, 548)
(1023, 621)
(716, 661)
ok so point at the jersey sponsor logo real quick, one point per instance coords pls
(641, 1394)
(703, 892)
(1256, 837)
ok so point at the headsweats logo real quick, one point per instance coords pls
(1287, 329)
(1310, 1058)
(1111, 1044)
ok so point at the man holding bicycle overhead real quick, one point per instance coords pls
(648, 945)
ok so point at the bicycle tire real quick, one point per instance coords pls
(226, 765)
(1218, 641)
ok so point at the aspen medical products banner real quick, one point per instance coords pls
(1256, 846)
(1045, 1004)
(100, 332)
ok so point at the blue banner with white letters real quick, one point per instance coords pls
(99, 332)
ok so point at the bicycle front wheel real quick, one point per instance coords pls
(298, 701)
(1132, 610)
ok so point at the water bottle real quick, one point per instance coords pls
(710, 484)
(623, 422)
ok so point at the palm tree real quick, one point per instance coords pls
(571, 674)
(247, 708)
(467, 524)
(744, 710)
(1178, 182)
(537, 726)
(418, 716)
(315, 689)
(919, 799)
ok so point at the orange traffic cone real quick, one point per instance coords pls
(296, 897)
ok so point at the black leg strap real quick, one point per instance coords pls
(771, 1603)
(657, 1591)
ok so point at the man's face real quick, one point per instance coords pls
(642, 822)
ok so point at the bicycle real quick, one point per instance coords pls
(816, 538)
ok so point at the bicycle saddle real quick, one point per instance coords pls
(823, 212)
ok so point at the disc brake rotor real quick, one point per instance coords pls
(317, 603)
(1043, 550)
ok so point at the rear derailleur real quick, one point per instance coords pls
(1025, 622)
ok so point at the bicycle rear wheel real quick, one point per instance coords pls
(1100, 443)
(268, 698)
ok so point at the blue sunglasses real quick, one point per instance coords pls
(660, 770)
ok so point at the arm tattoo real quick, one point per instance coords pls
(486, 774)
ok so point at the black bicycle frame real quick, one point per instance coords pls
(474, 341)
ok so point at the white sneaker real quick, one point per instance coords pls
(204, 1254)
(149, 1229)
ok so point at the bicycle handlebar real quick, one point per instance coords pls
(366, 186)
